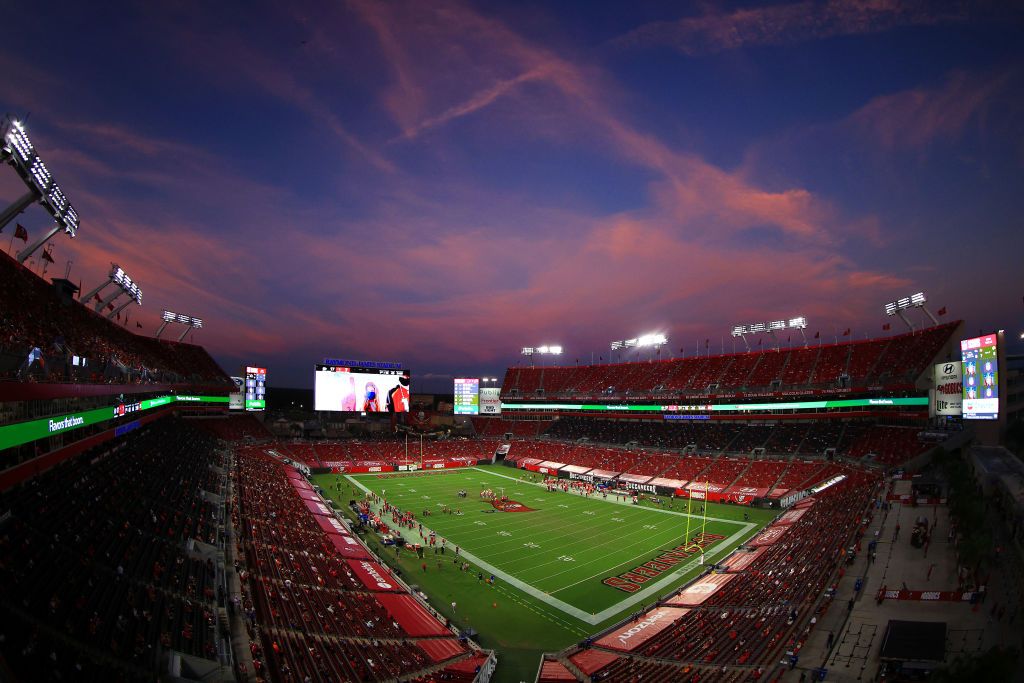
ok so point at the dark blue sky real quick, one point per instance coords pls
(443, 183)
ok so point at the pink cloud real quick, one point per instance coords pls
(915, 118)
(575, 102)
(442, 268)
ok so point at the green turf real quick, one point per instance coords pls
(549, 562)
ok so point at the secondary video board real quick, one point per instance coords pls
(255, 388)
(467, 396)
(980, 377)
(361, 390)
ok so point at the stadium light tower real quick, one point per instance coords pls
(644, 340)
(799, 323)
(20, 153)
(742, 331)
(122, 285)
(188, 321)
(546, 350)
(913, 301)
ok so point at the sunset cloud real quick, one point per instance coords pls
(917, 117)
(440, 184)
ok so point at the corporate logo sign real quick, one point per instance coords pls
(69, 422)
(949, 384)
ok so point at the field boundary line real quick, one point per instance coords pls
(633, 599)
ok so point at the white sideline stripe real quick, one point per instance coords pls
(627, 503)
(608, 612)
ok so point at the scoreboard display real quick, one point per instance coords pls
(255, 388)
(350, 389)
(980, 378)
(467, 396)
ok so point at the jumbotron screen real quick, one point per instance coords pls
(467, 396)
(361, 390)
(981, 378)
(255, 388)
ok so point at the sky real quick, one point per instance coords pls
(443, 183)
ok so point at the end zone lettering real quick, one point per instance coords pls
(630, 582)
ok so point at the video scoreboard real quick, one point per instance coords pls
(255, 388)
(467, 396)
(979, 357)
(361, 389)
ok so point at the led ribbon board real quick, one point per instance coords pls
(726, 407)
(25, 432)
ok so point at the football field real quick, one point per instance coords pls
(563, 549)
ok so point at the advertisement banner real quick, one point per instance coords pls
(24, 432)
(490, 401)
(635, 633)
(949, 389)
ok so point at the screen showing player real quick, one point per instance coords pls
(361, 390)
(980, 378)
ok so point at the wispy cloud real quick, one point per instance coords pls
(915, 118)
(789, 23)
(438, 250)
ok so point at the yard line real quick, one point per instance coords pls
(603, 556)
(472, 536)
(513, 581)
(623, 502)
(727, 545)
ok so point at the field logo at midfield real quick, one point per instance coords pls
(631, 581)
(510, 506)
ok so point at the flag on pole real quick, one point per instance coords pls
(887, 326)
(97, 297)
(138, 324)
(817, 335)
(21, 233)
(847, 332)
(942, 311)
(47, 257)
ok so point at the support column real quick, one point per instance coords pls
(17, 207)
(28, 251)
